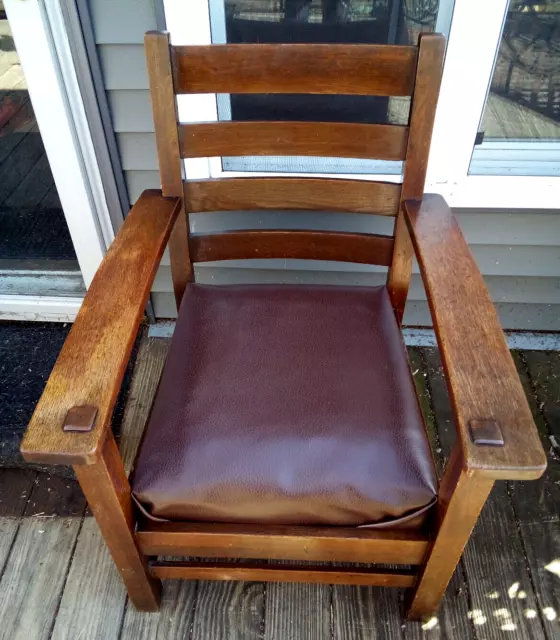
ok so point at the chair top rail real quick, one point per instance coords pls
(380, 70)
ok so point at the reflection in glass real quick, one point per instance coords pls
(524, 98)
(380, 21)
(321, 21)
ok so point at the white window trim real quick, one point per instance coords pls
(467, 73)
(41, 40)
(516, 157)
(466, 77)
(39, 308)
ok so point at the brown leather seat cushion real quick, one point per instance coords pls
(285, 405)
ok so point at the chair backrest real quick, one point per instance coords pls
(379, 70)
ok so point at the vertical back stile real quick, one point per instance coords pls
(422, 115)
(167, 140)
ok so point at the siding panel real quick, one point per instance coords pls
(138, 151)
(502, 288)
(527, 317)
(131, 110)
(137, 181)
(122, 21)
(124, 66)
(535, 228)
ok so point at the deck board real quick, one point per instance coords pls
(19, 163)
(93, 602)
(32, 190)
(32, 226)
(452, 619)
(147, 372)
(544, 369)
(494, 560)
(537, 504)
(15, 489)
(363, 613)
(287, 608)
(51, 200)
(174, 620)
(11, 141)
(226, 610)
(36, 570)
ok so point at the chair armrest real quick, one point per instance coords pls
(481, 377)
(92, 362)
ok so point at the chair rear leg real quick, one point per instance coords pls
(461, 498)
(107, 490)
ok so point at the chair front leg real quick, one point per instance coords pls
(108, 493)
(461, 497)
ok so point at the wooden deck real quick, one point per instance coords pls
(57, 580)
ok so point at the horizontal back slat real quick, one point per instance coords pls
(312, 245)
(327, 139)
(303, 194)
(295, 68)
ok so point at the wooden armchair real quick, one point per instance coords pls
(286, 424)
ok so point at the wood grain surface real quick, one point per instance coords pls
(301, 194)
(422, 116)
(164, 108)
(325, 139)
(361, 248)
(495, 557)
(92, 362)
(280, 573)
(106, 488)
(283, 543)
(461, 497)
(482, 379)
(295, 68)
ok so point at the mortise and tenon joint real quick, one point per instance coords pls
(81, 418)
(486, 432)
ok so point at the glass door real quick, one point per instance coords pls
(37, 256)
(54, 231)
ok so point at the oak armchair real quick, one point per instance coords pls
(286, 424)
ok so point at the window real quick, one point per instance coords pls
(320, 21)
(520, 129)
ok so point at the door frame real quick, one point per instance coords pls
(42, 37)
(468, 69)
